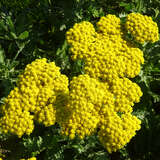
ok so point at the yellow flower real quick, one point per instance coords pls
(115, 131)
(35, 88)
(106, 53)
(142, 27)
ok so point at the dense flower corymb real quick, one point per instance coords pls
(110, 25)
(100, 101)
(126, 93)
(106, 53)
(143, 28)
(33, 98)
(116, 131)
(86, 97)
(93, 104)
(110, 59)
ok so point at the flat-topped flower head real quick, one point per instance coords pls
(106, 53)
(142, 27)
(33, 98)
(126, 93)
(17, 121)
(110, 24)
(92, 102)
(86, 97)
(116, 131)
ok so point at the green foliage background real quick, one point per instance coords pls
(32, 29)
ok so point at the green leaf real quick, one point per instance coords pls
(3, 26)
(127, 6)
(39, 141)
(102, 157)
(1, 55)
(62, 27)
(10, 24)
(13, 35)
(24, 35)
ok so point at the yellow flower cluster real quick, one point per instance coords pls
(143, 28)
(111, 60)
(75, 34)
(126, 93)
(116, 131)
(33, 158)
(93, 104)
(33, 98)
(105, 92)
(110, 25)
(106, 53)
(85, 99)
(79, 41)
(17, 121)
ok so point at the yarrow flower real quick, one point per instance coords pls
(106, 53)
(110, 25)
(142, 27)
(116, 131)
(109, 60)
(86, 97)
(93, 104)
(33, 98)
(126, 93)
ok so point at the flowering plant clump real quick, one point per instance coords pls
(100, 101)
(111, 59)
(143, 28)
(33, 98)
